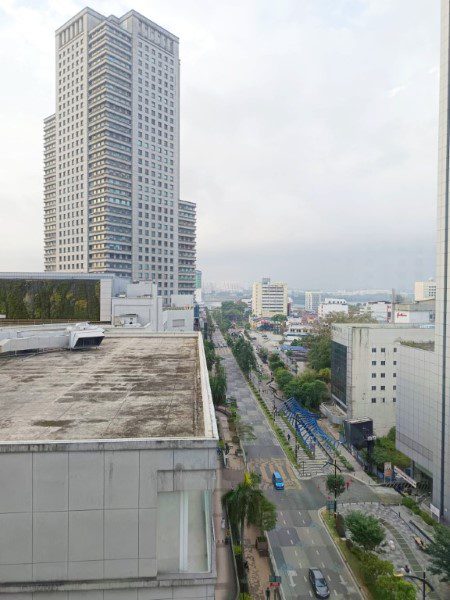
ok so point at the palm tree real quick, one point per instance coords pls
(246, 503)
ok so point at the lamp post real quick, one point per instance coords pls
(424, 581)
(334, 464)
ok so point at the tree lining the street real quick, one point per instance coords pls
(439, 551)
(365, 530)
(248, 505)
(308, 388)
(319, 341)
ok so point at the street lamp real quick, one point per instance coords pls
(334, 490)
(423, 579)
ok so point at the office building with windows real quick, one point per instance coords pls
(312, 301)
(269, 299)
(424, 290)
(111, 151)
(186, 247)
(364, 368)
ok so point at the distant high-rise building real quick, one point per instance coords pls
(269, 299)
(186, 246)
(111, 193)
(312, 301)
(424, 290)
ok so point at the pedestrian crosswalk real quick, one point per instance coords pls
(266, 469)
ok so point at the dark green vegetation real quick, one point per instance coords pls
(439, 550)
(385, 451)
(375, 574)
(366, 531)
(243, 353)
(335, 484)
(308, 388)
(247, 504)
(217, 375)
(231, 314)
(415, 508)
(319, 342)
(46, 299)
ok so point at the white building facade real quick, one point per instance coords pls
(312, 301)
(424, 290)
(269, 299)
(111, 193)
(379, 310)
(364, 367)
(332, 305)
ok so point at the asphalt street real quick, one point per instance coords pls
(299, 540)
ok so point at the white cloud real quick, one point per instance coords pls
(287, 139)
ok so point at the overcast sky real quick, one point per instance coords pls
(309, 134)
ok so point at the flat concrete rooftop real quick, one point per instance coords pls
(129, 387)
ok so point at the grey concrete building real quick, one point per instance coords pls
(417, 403)
(107, 463)
(364, 369)
(111, 170)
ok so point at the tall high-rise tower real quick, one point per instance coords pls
(111, 193)
(441, 451)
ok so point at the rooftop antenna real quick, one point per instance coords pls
(393, 306)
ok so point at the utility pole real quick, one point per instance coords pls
(424, 581)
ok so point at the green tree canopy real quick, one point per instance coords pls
(246, 503)
(389, 587)
(365, 530)
(335, 483)
(439, 550)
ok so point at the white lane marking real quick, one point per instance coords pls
(335, 592)
(317, 552)
(300, 564)
(287, 531)
(284, 521)
(304, 522)
(310, 593)
(292, 542)
(323, 566)
(304, 577)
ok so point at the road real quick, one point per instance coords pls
(299, 541)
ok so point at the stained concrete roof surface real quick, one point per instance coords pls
(129, 387)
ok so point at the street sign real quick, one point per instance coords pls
(274, 584)
(275, 579)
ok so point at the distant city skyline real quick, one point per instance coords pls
(329, 180)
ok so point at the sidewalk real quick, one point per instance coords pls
(226, 577)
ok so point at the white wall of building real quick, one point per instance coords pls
(371, 369)
(332, 305)
(424, 290)
(381, 311)
(416, 405)
(269, 299)
(312, 301)
(92, 512)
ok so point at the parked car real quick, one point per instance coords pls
(319, 583)
(277, 481)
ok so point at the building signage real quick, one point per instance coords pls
(404, 476)
(387, 470)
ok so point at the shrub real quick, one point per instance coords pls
(365, 530)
